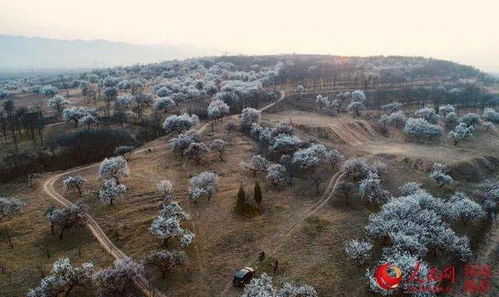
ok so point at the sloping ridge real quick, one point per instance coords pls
(353, 133)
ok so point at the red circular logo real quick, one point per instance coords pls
(385, 280)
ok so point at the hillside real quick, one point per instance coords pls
(184, 172)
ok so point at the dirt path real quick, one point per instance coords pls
(274, 243)
(95, 229)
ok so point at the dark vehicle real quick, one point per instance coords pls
(243, 276)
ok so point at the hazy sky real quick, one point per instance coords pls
(463, 31)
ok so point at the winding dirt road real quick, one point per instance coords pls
(95, 229)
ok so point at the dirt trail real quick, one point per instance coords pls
(95, 229)
(274, 243)
(328, 194)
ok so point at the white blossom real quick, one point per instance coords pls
(165, 187)
(10, 207)
(63, 278)
(58, 102)
(322, 101)
(249, 116)
(356, 168)
(111, 191)
(359, 250)
(491, 115)
(119, 280)
(219, 146)
(276, 173)
(371, 188)
(113, 168)
(470, 119)
(196, 150)
(256, 164)
(461, 207)
(217, 109)
(421, 129)
(179, 123)
(391, 107)
(88, 120)
(309, 157)
(183, 140)
(164, 104)
(410, 188)
(74, 182)
(461, 132)
(203, 184)
(439, 175)
(446, 109)
(427, 114)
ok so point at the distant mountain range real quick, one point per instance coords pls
(26, 53)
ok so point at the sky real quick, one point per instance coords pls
(457, 30)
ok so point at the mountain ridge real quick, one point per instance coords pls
(21, 52)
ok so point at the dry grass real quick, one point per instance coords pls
(30, 231)
(225, 241)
